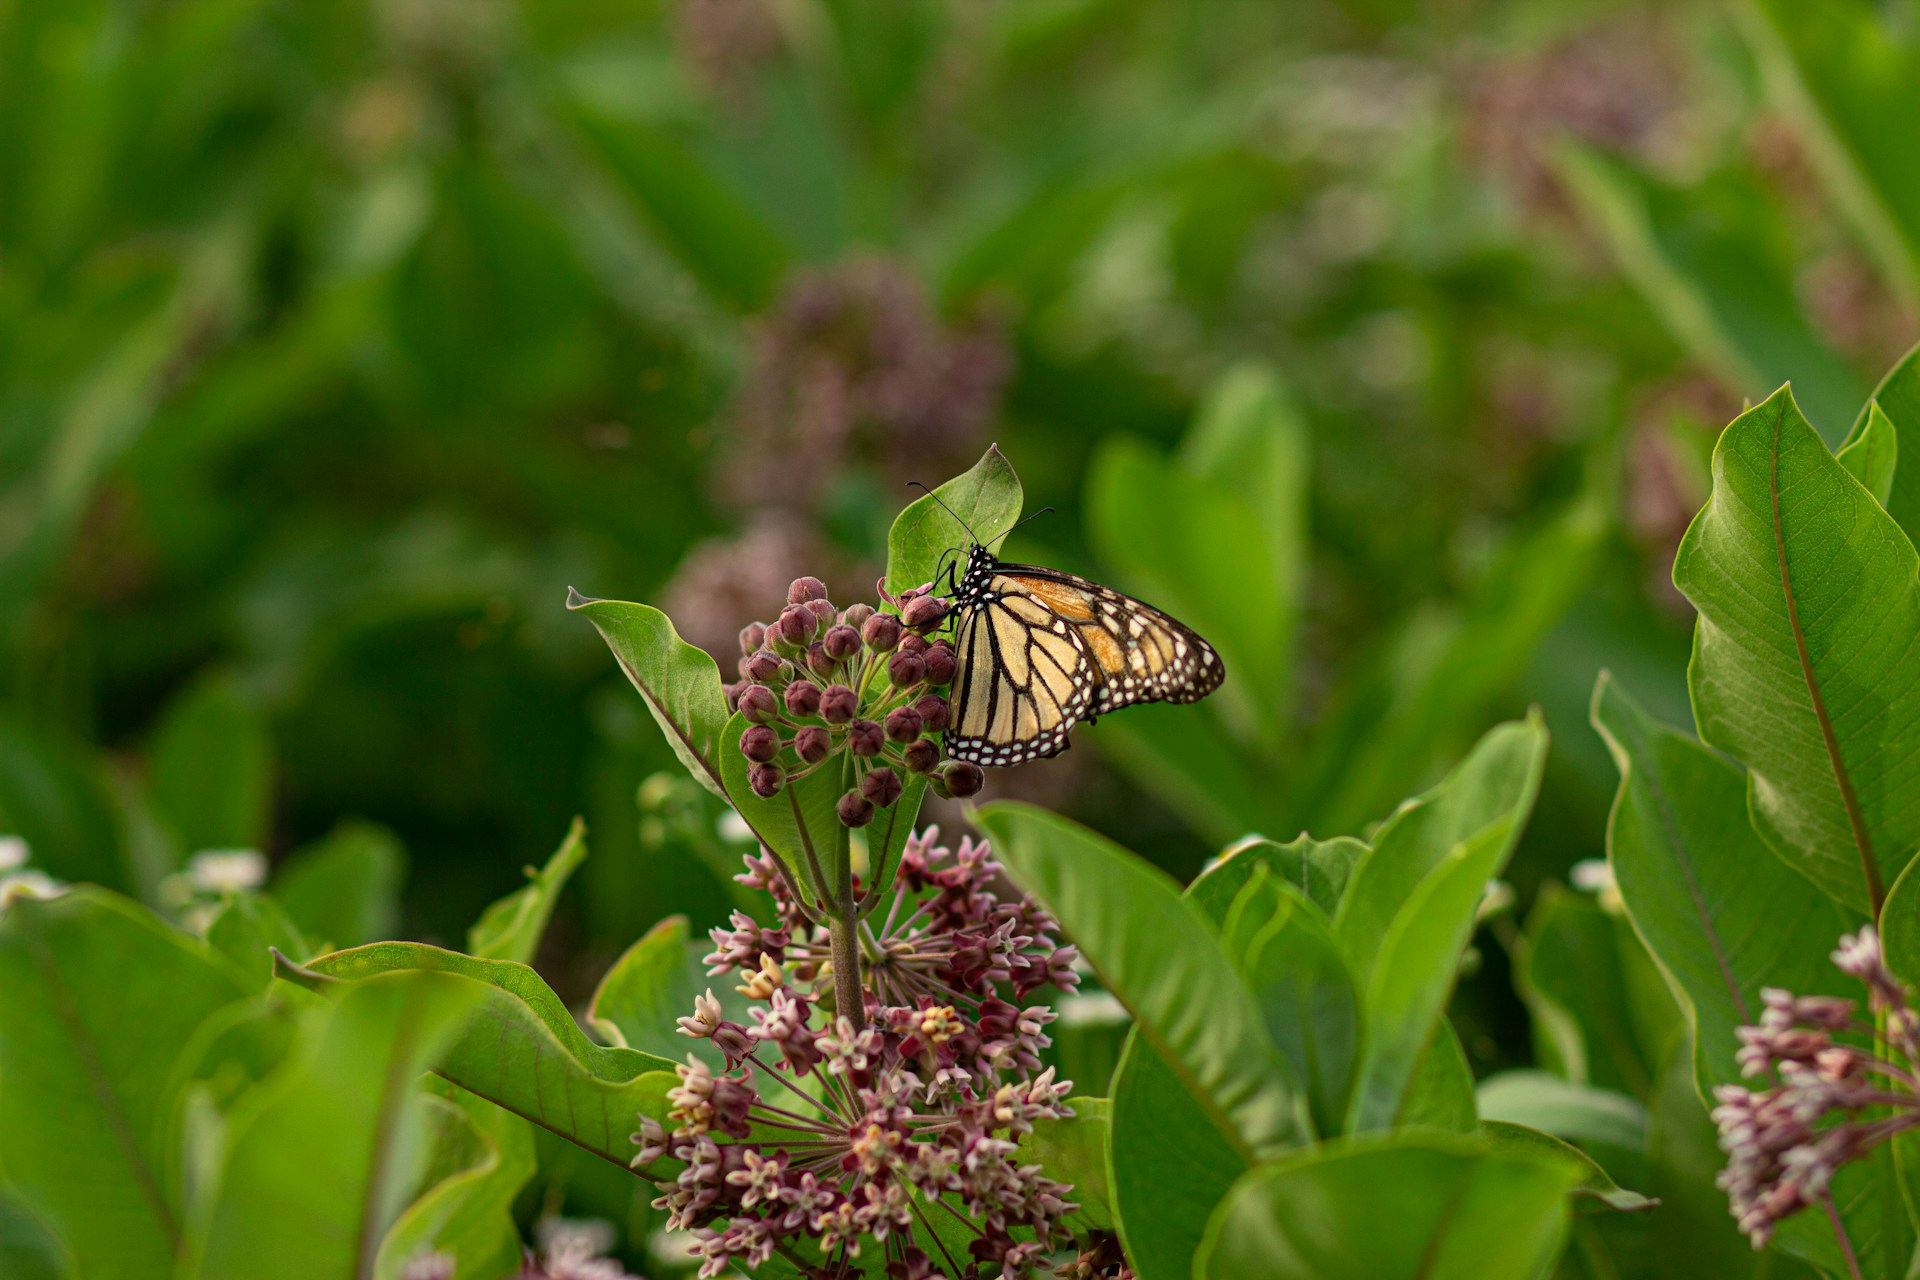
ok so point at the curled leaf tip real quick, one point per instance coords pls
(577, 601)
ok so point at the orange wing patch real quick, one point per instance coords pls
(1106, 650)
(1066, 601)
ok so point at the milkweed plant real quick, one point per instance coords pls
(868, 1068)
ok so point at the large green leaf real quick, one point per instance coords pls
(1073, 1150)
(1440, 1093)
(522, 1050)
(1422, 1206)
(649, 988)
(981, 504)
(1708, 259)
(211, 767)
(1804, 658)
(344, 889)
(1611, 1127)
(101, 999)
(320, 1159)
(1898, 397)
(28, 1251)
(1159, 955)
(1872, 454)
(1595, 1182)
(1168, 1164)
(248, 928)
(469, 1212)
(679, 683)
(1723, 916)
(511, 928)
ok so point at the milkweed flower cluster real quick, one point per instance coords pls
(1834, 1102)
(823, 687)
(829, 1136)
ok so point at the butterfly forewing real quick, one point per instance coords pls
(1041, 650)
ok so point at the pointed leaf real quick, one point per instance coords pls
(1872, 456)
(982, 503)
(247, 930)
(650, 987)
(1319, 869)
(211, 764)
(511, 928)
(1806, 657)
(1157, 953)
(679, 683)
(522, 1050)
(344, 890)
(1898, 396)
(1440, 1095)
(1507, 1138)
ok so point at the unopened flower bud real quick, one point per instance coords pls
(921, 755)
(903, 724)
(855, 810)
(882, 632)
(923, 613)
(733, 694)
(760, 743)
(906, 669)
(856, 615)
(932, 709)
(752, 636)
(766, 780)
(963, 778)
(818, 660)
(803, 698)
(812, 743)
(795, 626)
(882, 786)
(758, 705)
(915, 645)
(941, 663)
(841, 642)
(762, 665)
(865, 738)
(838, 704)
(805, 589)
(822, 611)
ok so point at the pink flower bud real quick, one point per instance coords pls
(882, 786)
(941, 663)
(812, 743)
(758, 705)
(795, 626)
(921, 755)
(903, 724)
(803, 698)
(823, 612)
(752, 636)
(963, 778)
(805, 589)
(865, 738)
(855, 810)
(856, 615)
(915, 645)
(932, 709)
(923, 613)
(762, 666)
(838, 704)
(760, 743)
(841, 642)
(766, 780)
(906, 669)
(882, 632)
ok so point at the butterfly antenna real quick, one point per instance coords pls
(915, 484)
(1035, 516)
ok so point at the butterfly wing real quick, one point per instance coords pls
(1041, 650)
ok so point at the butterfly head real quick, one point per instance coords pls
(981, 565)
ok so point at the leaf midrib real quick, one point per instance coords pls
(393, 1085)
(1862, 837)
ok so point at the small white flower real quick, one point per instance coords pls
(28, 884)
(733, 828)
(1497, 896)
(13, 853)
(1595, 876)
(227, 870)
(1094, 1009)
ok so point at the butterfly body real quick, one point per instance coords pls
(1040, 651)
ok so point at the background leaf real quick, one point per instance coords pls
(649, 988)
(469, 1212)
(345, 889)
(1872, 455)
(511, 928)
(212, 767)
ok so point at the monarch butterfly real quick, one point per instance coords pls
(1040, 650)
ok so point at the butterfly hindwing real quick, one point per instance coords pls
(1041, 650)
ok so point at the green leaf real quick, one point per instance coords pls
(1803, 657)
(1074, 1150)
(469, 1212)
(1505, 1138)
(1611, 1127)
(248, 928)
(1573, 978)
(1168, 1164)
(511, 928)
(1721, 914)
(679, 683)
(28, 1251)
(1319, 869)
(1900, 924)
(101, 1000)
(1417, 1205)
(980, 505)
(1158, 954)
(650, 987)
(1440, 1095)
(522, 1050)
(211, 767)
(344, 890)
(1708, 258)
(802, 823)
(1898, 396)
(319, 1160)
(1872, 455)
(1411, 906)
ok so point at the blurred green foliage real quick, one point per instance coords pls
(338, 339)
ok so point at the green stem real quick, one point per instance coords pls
(843, 925)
